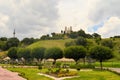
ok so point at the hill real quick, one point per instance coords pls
(50, 43)
(91, 42)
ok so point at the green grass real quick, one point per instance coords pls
(109, 64)
(96, 75)
(30, 73)
(50, 43)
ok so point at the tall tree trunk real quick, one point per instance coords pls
(54, 61)
(101, 66)
(84, 61)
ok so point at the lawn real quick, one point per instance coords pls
(96, 75)
(29, 73)
(32, 74)
(109, 64)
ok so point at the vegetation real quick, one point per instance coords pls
(29, 73)
(75, 52)
(101, 54)
(12, 53)
(38, 53)
(54, 53)
(32, 74)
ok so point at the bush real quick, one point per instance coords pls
(71, 73)
(78, 67)
(58, 64)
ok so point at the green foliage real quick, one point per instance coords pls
(3, 46)
(24, 52)
(27, 41)
(12, 42)
(54, 53)
(38, 53)
(81, 33)
(3, 39)
(82, 66)
(101, 53)
(107, 43)
(71, 43)
(75, 52)
(81, 41)
(12, 53)
(96, 35)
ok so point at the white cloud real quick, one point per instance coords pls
(33, 18)
(30, 18)
(110, 28)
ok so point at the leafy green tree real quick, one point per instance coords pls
(107, 43)
(24, 53)
(38, 53)
(71, 43)
(81, 41)
(27, 41)
(101, 54)
(3, 39)
(12, 42)
(12, 53)
(53, 53)
(96, 35)
(73, 35)
(75, 52)
(3, 46)
(81, 33)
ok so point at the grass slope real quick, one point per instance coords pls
(50, 43)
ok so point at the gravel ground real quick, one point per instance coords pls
(8, 75)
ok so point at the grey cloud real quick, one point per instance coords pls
(30, 16)
(105, 9)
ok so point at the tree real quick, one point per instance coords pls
(24, 53)
(27, 41)
(73, 35)
(12, 42)
(75, 52)
(81, 33)
(38, 53)
(96, 35)
(3, 39)
(107, 43)
(101, 54)
(12, 53)
(54, 53)
(81, 41)
(71, 43)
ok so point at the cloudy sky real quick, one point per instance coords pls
(33, 18)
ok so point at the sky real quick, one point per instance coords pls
(34, 18)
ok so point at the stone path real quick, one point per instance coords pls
(117, 70)
(8, 75)
(57, 78)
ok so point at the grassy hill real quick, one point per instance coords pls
(61, 44)
(50, 43)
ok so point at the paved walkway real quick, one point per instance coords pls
(117, 70)
(8, 75)
(57, 78)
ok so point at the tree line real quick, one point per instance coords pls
(7, 43)
(72, 34)
(76, 50)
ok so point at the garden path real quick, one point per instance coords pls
(8, 75)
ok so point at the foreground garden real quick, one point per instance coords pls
(33, 74)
